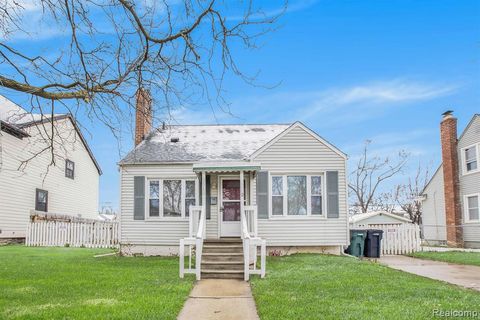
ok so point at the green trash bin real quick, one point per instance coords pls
(357, 242)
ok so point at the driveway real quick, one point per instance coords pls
(461, 275)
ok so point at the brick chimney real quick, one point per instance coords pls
(453, 215)
(143, 115)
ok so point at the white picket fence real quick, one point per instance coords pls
(74, 234)
(397, 239)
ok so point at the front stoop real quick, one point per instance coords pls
(222, 259)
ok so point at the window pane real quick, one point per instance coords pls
(231, 211)
(297, 195)
(154, 190)
(316, 185)
(473, 202)
(277, 205)
(473, 214)
(316, 205)
(189, 189)
(41, 200)
(277, 186)
(472, 166)
(188, 203)
(231, 189)
(172, 197)
(154, 208)
(473, 208)
(42, 197)
(471, 158)
(471, 153)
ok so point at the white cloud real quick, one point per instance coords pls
(364, 100)
(396, 90)
(340, 105)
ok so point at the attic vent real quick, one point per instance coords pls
(174, 140)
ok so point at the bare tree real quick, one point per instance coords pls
(180, 51)
(407, 196)
(370, 174)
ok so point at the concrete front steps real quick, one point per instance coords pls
(222, 259)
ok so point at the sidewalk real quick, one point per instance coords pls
(220, 299)
(461, 275)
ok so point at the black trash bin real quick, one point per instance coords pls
(357, 242)
(373, 243)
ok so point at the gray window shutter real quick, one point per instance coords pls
(262, 194)
(208, 200)
(139, 198)
(333, 210)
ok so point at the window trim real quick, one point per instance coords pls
(37, 190)
(67, 161)
(464, 159)
(309, 214)
(466, 208)
(183, 216)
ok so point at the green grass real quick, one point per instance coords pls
(307, 286)
(69, 283)
(471, 258)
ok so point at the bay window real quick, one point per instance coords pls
(297, 195)
(170, 198)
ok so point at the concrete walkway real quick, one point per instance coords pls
(461, 275)
(220, 299)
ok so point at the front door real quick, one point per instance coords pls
(229, 207)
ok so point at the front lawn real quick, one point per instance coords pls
(308, 286)
(69, 283)
(459, 257)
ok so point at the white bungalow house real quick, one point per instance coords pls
(279, 184)
(28, 183)
(451, 200)
(376, 218)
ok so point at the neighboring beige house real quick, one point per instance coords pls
(452, 197)
(375, 218)
(293, 179)
(69, 187)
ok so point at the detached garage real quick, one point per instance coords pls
(376, 218)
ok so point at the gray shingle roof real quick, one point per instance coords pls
(203, 143)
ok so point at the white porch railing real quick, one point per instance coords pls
(251, 241)
(196, 235)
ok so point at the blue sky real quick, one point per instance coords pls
(351, 71)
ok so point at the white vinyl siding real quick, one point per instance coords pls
(470, 182)
(433, 216)
(76, 197)
(298, 153)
